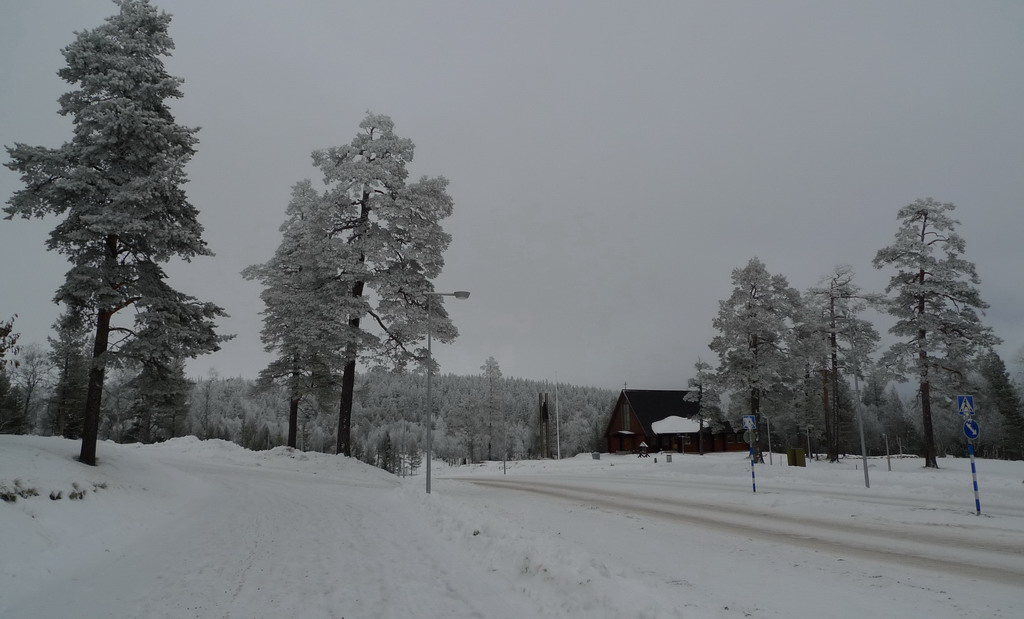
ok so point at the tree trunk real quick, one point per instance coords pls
(348, 377)
(930, 458)
(833, 340)
(98, 367)
(293, 407)
(755, 407)
(97, 373)
(755, 410)
(826, 403)
(146, 419)
(700, 420)
(348, 383)
(293, 421)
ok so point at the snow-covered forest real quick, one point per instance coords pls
(477, 418)
(42, 391)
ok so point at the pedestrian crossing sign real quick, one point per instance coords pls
(965, 404)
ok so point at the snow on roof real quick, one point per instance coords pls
(674, 424)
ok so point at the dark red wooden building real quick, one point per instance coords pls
(665, 421)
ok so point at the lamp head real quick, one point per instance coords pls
(461, 294)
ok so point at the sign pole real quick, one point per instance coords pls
(888, 459)
(974, 476)
(753, 481)
(965, 406)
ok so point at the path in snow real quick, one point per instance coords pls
(262, 542)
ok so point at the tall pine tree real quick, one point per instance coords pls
(301, 313)
(1004, 399)
(388, 246)
(492, 374)
(118, 185)
(12, 419)
(31, 374)
(838, 303)
(753, 344)
(935, 301)
(68, 354)
(161, 402)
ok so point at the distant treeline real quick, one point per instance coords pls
(476, 418)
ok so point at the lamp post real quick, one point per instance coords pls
(458, 294)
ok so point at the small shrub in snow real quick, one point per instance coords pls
(10, 495)
(23, 491)
(56, 495)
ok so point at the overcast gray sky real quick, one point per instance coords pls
(611, 162)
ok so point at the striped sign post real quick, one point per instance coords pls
(965, 406)
(974, 475)
(972, 431)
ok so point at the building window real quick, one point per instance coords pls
(625, 417)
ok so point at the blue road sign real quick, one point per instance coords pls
(971, 429)
(965, 404)
(749, 422)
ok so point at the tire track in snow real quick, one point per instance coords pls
(1002, 564)
(993, 505)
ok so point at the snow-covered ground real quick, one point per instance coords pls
(195, 528)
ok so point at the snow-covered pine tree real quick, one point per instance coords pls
(68, 355)
(838, 303)
(301, 313)
(8, 339)
(160, 407)
(415, 458)
(935, 301)
(1003, 398)
(389, 241)
(11, 420)
(118, 184)
(12, 414)
(31, 374)
(706, 392)
(492, 374)
(753, 343)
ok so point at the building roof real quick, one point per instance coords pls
(674, 424)
(650, 405)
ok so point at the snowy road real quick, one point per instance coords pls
(955, 551)
(693, 540)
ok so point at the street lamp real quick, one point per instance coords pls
(458, 294)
